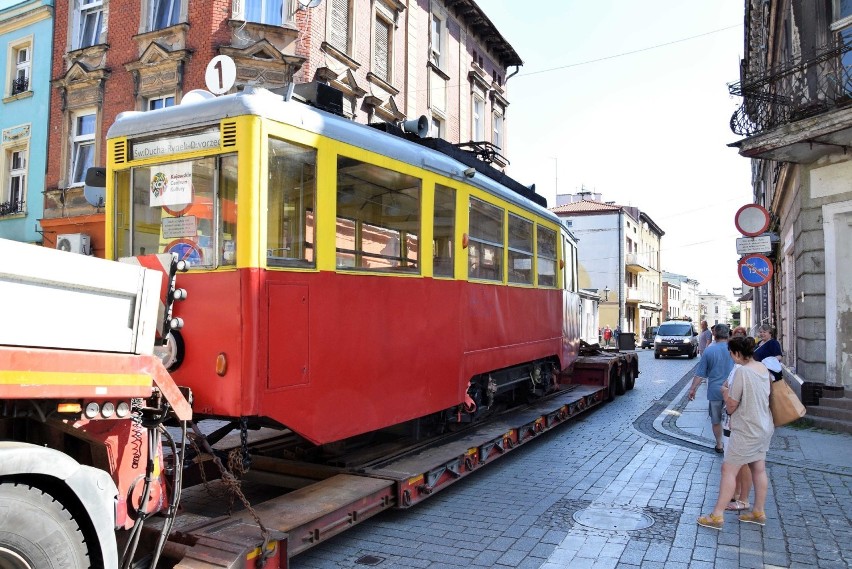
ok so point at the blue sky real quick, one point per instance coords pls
(647, 129)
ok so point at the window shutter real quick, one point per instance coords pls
(338, 35)
(381, 64)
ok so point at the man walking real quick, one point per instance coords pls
(704, 338)
(715, 366)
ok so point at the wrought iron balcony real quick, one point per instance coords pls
(11, 207)
(796, 89)
(20, 85)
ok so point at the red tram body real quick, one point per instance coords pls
(321, 349)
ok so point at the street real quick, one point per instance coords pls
(621, 487)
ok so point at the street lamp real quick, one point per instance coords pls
(606, 293)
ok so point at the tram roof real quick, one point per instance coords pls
(263, 103)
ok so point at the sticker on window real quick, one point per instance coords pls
(171, 184)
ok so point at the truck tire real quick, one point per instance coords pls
(621, 381)
(36, 531)
(631, 378)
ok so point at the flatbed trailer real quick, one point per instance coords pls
(74, 415)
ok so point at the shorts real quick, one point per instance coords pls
(715, 412)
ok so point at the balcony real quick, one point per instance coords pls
(637, 262)
(814, 92)
(20, 85)
(11, 207)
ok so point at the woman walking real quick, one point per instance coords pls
(747, 401)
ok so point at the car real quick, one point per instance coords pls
(648, 337)
(676, 338)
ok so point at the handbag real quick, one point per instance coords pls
(784, 404)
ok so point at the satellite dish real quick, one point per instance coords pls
(304, 4)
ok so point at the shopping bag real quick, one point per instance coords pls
(784, 404)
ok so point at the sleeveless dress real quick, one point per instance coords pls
(751, 423)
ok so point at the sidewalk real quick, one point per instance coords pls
(800, 446)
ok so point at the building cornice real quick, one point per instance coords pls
(24, 17)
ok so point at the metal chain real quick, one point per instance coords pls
(244, 443)
(233, 484)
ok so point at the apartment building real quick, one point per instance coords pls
(619, 255)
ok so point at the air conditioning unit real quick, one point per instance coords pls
(74, 242)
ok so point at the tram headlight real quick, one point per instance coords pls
(122, 410)
(91, 410)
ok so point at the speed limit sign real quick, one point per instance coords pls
(220, 75)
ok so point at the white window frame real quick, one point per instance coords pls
(350, 23)
(10, 173)
(79, 141)
(152, 13)
(477, 118)
(163, 98)
(385, 18)
(438, 48)
(16, 68)
(83, 9)
(437, 127)
(498, 129)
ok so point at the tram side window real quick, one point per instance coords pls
(122, 214)
(520, 250)
(444, 231)
(291, 199)
(176, 210)
(546, 258)
(378, 218)
(485, 248)
(570, 266)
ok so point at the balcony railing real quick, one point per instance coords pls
(11, 207)
(20, 85)
(794, 90)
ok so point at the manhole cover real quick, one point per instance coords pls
(369, 560)
(616, 519)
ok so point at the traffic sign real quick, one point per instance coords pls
(751, 220)
(755, 270)
(748, 245)
(220, 74)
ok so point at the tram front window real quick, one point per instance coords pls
(187, 208)
(291, 197)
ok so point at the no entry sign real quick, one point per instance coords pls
(752, 220)
(755, 270)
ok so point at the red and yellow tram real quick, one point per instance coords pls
(342, 279)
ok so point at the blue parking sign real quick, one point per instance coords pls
(755, 270)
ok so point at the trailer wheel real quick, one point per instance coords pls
(613, 380)
(631, 378)
(621, 380)
(36, 531)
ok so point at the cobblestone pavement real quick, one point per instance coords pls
(619, 487)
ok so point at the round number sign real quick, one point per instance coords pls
(755, 270)
(220, 75)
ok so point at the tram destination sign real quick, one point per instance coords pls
(173, 145)
(749, 245)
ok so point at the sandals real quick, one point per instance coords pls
(711, 521)
(720, 450)
(737, 506)
(753, 517)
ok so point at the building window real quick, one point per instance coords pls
(164, 13)
(14, 188)
(478, 123)
(265, 11)
(83, 146)
(485, 248)
(437, 128)
(22, 69)
(438, 41)
(339, 34)
(382, 48)
(90, 14)
(155, 103)
(497, 124)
